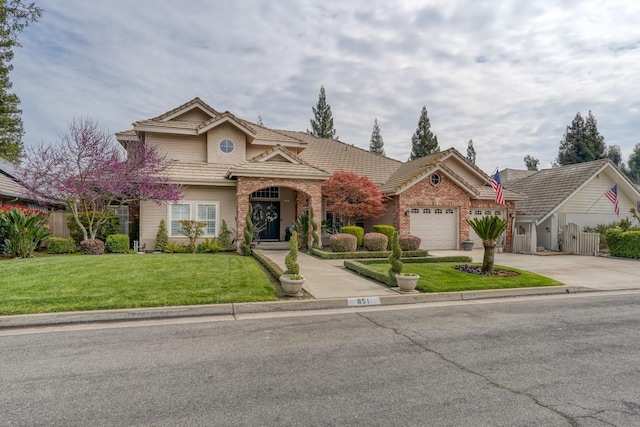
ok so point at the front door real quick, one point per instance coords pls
(266, 220)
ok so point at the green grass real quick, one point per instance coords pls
(71, 283)
(442, 277)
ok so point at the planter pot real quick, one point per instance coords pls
(467, 245)
(291, 287)
(407, 283)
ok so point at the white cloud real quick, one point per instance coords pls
(510, 76)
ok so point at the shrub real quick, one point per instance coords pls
(208, 246)
(193, 230)
(394, 258)
(624, 244)
(117, 244)
(385, 229)
(343, 242)
(174, 248)
(110, 226)
(162, 236)
(409, 243)
(291, 260)
(245, 247)
(356, 231)
(59, 245)
(24, 229)
(224, 237)
(375, 241)
(92, 247)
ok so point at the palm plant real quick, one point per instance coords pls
(489, 229)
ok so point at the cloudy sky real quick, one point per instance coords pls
(509, 75)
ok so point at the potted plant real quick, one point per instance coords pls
(467, 244)
(406, 281)
(292, 281)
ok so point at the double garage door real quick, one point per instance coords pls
(479, 213)
(436, 226)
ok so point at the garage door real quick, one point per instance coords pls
(479, 213)
(436, 226)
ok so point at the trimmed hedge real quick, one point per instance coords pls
(92, 247)
(409, 242)
(624, 244)
(356, 231)
(60, 245)
(385, 229)
(269, 265)
(117, 244)
(357, 255)
(343, 242)
(375, 242)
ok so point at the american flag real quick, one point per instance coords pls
(497, 186)
(612, 194)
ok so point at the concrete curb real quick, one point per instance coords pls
(120, 315)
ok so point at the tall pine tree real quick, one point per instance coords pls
(423, 141)
(14, 17)
(376, 144)
(531, 163)
(633, 163)
(471, 152)
(322, 121)
(581, 142)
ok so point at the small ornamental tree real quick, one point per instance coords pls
(352, 196)
(193, 230)
(489, 229)
(89, 173)
(162, 236)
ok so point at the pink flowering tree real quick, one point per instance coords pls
(91, 175)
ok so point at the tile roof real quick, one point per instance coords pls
(197, 172)
(9, 185)
(332, 156)
(186, 105)
(410, 171)
(513, 175)
(548, 188)
(261, 166)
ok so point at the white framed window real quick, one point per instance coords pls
(227, 146)
(194, 210)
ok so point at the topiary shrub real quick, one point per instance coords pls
(394, 258)
(224, 237)
(408, 242)
(375, 242)
(356, 231)
(385, 229)
(59, 245)
(117, 244)
(162, 236)
(291, 260)
(343, 242)
(245, 247)
(110, 226)
(92, 247)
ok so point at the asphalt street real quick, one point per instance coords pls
(569, 360)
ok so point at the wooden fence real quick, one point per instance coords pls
(579, 243)
(522, 243)
(58, 223)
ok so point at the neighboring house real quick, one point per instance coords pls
(569, 194)
(11, 191)
(225, 163)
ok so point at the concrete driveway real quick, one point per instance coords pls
(603, 273)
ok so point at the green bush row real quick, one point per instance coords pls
(358, 255)
(271, 266)
(625, 244)
(117, 244)
(60, 245)
(385, 229)
(355, 231)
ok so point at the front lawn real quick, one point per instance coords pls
(71, 283)
(442, 277)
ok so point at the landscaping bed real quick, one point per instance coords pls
(72, 283)
(363, 254)
(440, 275)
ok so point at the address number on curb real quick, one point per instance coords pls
(363, 301)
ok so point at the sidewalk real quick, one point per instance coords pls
(329, 278)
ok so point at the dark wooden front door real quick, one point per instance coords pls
(266, 220)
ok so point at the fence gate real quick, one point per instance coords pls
(579, 243)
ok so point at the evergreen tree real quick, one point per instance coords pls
(376, 144)
(581, 142)
(14, 17)
(423, 141)
(259, 122)
(322, 121)
(471, 152)
(531, 163)
(633, 169)
(615, 155)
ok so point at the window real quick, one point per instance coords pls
(199, 211)
(179, 211)
(478, 212)
(487, 212)
(267, 193)
(498, 213)
(227, 146)
(435, 179)
(123, 215)
(449, 211)
(426, 210)
(207, 213)
(438, 211)
(415, 210)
